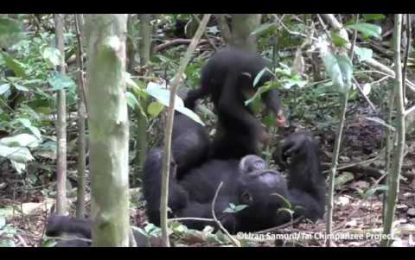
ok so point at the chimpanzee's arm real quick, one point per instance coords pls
(204, 210)
(231, 106)
(272, 101)
(190, 143)
(152, 171)
(193, 95)
(59, 225)
(306, 183)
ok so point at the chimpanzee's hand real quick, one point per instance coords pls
(294, 146)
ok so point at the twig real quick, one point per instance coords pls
(73, 238)
(399, 147)
(21, 240)
(292, 222)
(351, 54)
(368, 170)
(190, 218)
(380, 80)
(80, 62)
(354, 164)
(372, 106)
(279, 20)
(233, 240)
(407, 47)
(169, 128)
(205, 34)
(175, 42)
(82, 113)
(410, 110)
(224, 28)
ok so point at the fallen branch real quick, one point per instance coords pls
(292, 222)
(190, 218)
(233, 240)
(176, 42)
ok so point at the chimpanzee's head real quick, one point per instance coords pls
(262, 190)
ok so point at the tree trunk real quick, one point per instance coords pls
(61, 207)
(224, 28)
(80, 206)
(169, 128)
(142, 124)
(398, 149)
(108, 128)
(145, 38)
(242, 26)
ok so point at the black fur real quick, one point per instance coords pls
(190, 143)
(80, 231)
(190, 147)
(245, 182)
(226, 78)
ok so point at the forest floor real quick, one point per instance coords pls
(357, 204)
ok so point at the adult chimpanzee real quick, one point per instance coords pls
(190, 143)
(190, 148)
(228, 79)
(246, 181)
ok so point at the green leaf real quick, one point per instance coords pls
(284, 200)
(263, 28)
(20, 167)
(26, 123)
(343, 178)
(59, 81)
(132, 100)
(20, 87)
(234, 209)
(154, 109)
(373, 17)
(52, 56)
(4, 88)
(256, 96)
(340, 70)
(17, 154)
(2, 222)
(372, 191)
(134, 86)
(269, 120)
(259, 75)
(338, 40)
(291, 82)
(10, 31)
(367, 29)
(366, 88)
(240, 207)
(162, 95)
(363, 53)
(21, 140)
(212, 30)
(17, 67)
(289, 211)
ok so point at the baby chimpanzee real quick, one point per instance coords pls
(228, 79)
